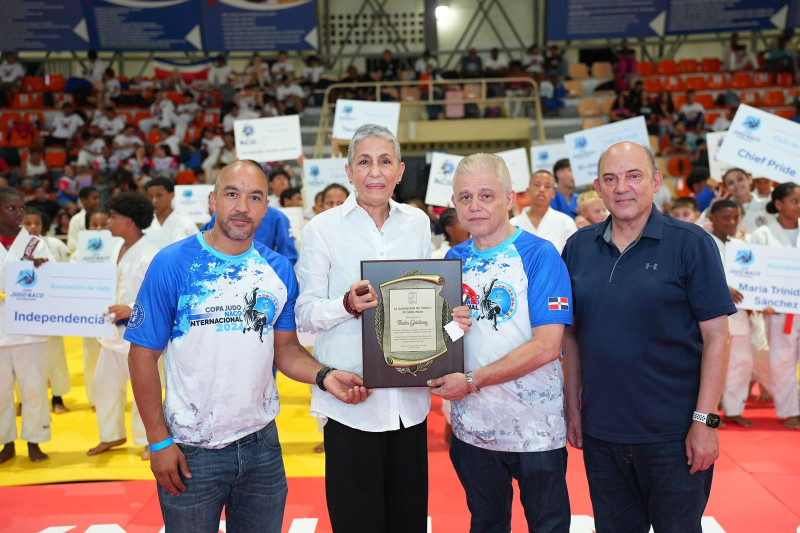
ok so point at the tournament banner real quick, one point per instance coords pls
(60, 298)
(192, 201)
(98, 246)
(586, 146)
(172, 25)
(544, 157)
(716, 167)
(765, 275)
(319, 173)
(518, 166)
(268, 139)
(230, 25)
(49, 25)
(352, 114)
(764, 144)
(440, 179)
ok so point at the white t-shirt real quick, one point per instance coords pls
(510, 289)
(313, 74)
(190, 110)
(215, 143)
(95, 70)
(111, 127)
(282, 68)
(175, 228)
(164, 107)
(555, 226)
(421, 64)
(113, 88)
(215, 317)
(10, 72)
(533, 63)
(174, 144)
(64, 127)
(125, 140)
(495, 64)
(219, 75)
(691, 111)
(284, 92)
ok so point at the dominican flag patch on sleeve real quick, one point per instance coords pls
(556, 303)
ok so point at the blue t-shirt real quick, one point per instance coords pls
(274, 232)
(511, 288)
(559, 203)
(215, 314)
(637, 320)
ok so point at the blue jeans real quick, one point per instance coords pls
(486, 477)
(246, 478)
(634, 486)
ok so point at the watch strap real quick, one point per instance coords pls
(321, 377)
(471, 387)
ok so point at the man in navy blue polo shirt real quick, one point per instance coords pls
(644, 365)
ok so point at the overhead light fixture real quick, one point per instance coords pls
(442, 10)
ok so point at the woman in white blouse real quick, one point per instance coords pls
(783, 330)
(376, 466)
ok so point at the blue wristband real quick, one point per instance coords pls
(160, 445)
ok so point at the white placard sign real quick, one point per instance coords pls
(544, 157)
(296, 220)
(319, 173)
(98, 246)
(586, 146)
(440, 179)
(60, 298)
(268, 139)
(518, 166)
(714, 143)
(765, 275)
(192, 201)
(351, 114)
(764, 144)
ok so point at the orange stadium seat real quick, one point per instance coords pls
(711, 118)
(706, 100)
(750, 98)
(409, 94)
(54, 82)
(574, 88)
(785, 113)
(578, 71)
(679, 166)
(33, 84)
(60, 99)
(139, 116)
(592, 122)
(785, 79)
(602, 69)
(710, 64)
(152, 137)
(55, 158)
(717, 82)
(33, 116)
(681, 189)
(698, 83)
(762, 79)
(472, 91)
(605, 105)
(678, 100)
(22, 101)
(741, 80)
(175, 97)
(588, 107)
(674, 84)
(654, 143)
(653, 85)
(774, 98)
(209, 119)
(687, 66)
(667, 67)
(646, 68)
(185, 177)
(22, 139)
(8, 117)
(126, 117)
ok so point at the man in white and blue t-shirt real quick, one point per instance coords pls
(221, 308)
(507, 410)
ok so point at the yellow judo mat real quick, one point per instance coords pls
(75, 432)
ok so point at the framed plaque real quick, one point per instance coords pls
(404, 339)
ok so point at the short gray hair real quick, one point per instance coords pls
(485, 164)
(650, 156)
(367, 131)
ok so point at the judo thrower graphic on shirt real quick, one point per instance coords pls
(496, 303)
(489, 309)
(259, 309)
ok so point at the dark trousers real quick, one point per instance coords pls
(376, 482)
(486, 477)
(634, 486)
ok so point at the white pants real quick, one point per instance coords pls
(91, 349)
(737, 379)
(758, 340)
(57, 369)
(181, 125)
(784, 354)
(211, 161)
(28, 364)
(111, 395)
(164, 121)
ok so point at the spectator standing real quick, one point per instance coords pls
(539, 218)
(12, 73)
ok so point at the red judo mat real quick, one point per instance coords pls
(756, 489)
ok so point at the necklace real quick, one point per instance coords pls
(211, 236)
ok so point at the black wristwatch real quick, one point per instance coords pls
(711, 419)
(321, 376)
